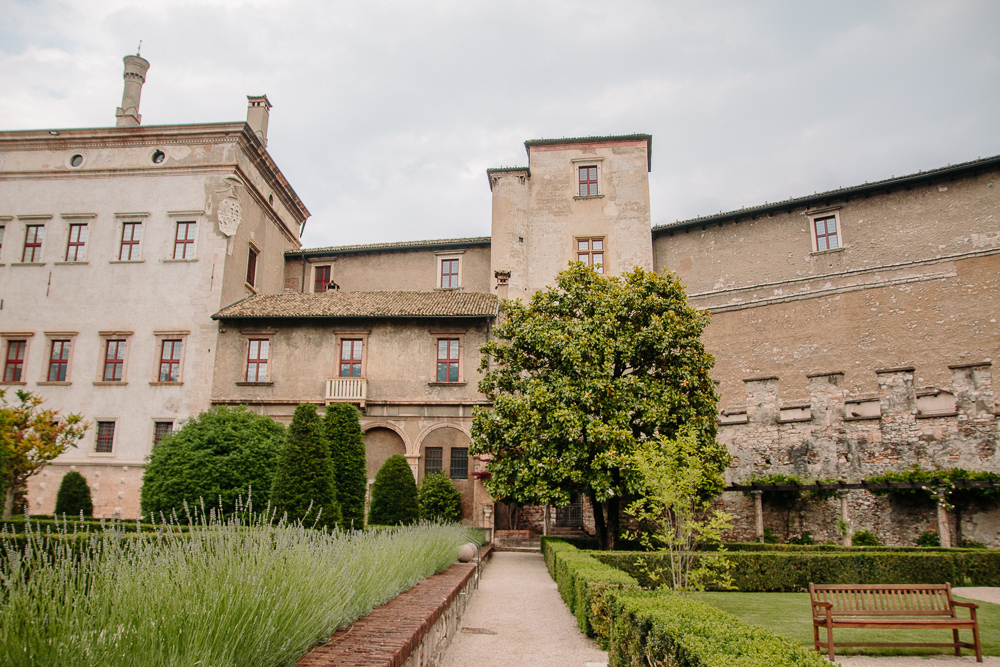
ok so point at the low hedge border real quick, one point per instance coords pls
(663, 628)
(793, 571)
(837, 548)
(585, 585)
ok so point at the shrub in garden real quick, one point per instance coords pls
(929, 539)
(347, 453)
(221, 455)
(864, 538)
(73, 497)
(439, 499)
(304, 487)
(394, 494)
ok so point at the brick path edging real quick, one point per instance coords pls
(411, 630)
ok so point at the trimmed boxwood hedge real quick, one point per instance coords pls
(654, 627)
(793, 571)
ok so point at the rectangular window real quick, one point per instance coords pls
(58, 361)
(449, 273)
(114, 360)
(184, 240)
(590, 251)
(350, 358)
(161, 430)
(432, 460)
(33, 235)
(826, 233)
(3, 228)
(76, 244)
(447, 360)
(13, 366)
(105, 437)
(321, 278)
(170, 361)
(131, 236)
(257, 354)
(251, 267)
(588, 181)
(460, 463)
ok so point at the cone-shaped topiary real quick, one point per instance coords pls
(439, 499)
(304, 475)
(73, 497)
(394, 494)
(347, 451)
(219, 456)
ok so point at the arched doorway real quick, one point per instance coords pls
(380, 444)
(446, 449)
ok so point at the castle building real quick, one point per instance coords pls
(853, 330)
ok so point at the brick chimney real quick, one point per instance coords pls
(127, 114)
(258, 113)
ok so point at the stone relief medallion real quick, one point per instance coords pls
(230, 215)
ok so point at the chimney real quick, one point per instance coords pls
(135, 75)
(258, 113)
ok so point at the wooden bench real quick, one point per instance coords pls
(890, 607)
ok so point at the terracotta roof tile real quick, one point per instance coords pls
(363, 304)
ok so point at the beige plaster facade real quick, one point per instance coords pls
(107, 206)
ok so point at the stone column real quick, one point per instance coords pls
(845, 515)
(944, 533)
(758, 510)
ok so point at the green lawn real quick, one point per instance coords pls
(788, 614)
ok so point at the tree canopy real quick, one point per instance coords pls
(218, 456)
(30, 437)
(304, 487)
(580, 376)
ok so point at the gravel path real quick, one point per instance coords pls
(517, 618)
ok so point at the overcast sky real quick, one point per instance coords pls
(387, 114)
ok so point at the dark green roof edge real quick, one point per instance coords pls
(831, 196)
(478, 316)
(400, 246)
(648, 138)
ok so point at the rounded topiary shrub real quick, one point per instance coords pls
(219, 456)
(394, 494)
(439, 499)
(342, 425)
(73, 497)
(864, 538)
(304, 488)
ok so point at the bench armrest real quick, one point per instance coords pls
(825, 605)
(968, 605)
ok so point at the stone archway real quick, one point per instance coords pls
(380, 444)
(443, 439)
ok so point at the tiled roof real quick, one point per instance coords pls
(338, 304)
(391, 247)
(821, 198)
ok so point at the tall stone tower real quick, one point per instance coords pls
(127, 115)
(584, 199)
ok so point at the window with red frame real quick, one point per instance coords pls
(114, 360)
(321, 278)
(161, 430)
(58, 361)
(131, 236)
(33, 235)
(449, 273)
(350, 358)
(826, 233)
(591, 252)
(170, 361)
(184, 240)
(76, 243)
(257, 354)
(588, 181)
(252, 267)
(105, 437)
(14, 364)
(447, 360)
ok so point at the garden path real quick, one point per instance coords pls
(517, 618)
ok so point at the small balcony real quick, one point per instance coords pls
(347, 390)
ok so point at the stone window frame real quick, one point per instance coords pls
(351, 334)
(822, 214)
(253, 255)
(37, 241)
(448, 255)
(594, 161)
(316, 276)
(77, 220)
(161, 337)
(452, 459)
(155, 422)
(122, 219)
(591, 251)
(115, 431)
(439, 460)
(106, 337)
(52, 337)
(16, 337)
(448, 334)
(5, 222)
(249, 336)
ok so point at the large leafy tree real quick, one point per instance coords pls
(342, 425)
(580, 376)
(30, 437)
(219, 456)
(304, 487)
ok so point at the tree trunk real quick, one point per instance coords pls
(8, 502)
(614, 521)
(598, 509)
